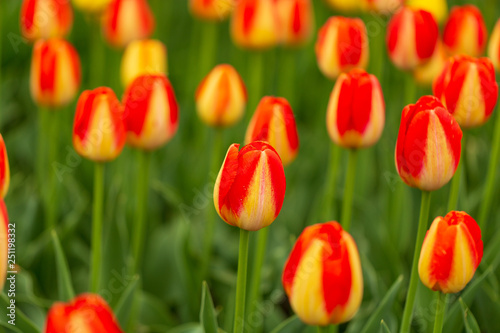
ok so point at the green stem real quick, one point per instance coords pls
(144, 159)
(440, 310)
(42, 156)
(95, 272)
(287, 81)
(256, 67)
(96, 54)
(51, 199)
(455, 182)
(410, 89)
(491, 175)
(412, 289)
(208, 47)
(241, 284)
(349, 190)
(323, 329)
(331, 182)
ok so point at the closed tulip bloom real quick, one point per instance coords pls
(43, 19)
(55, 73)
(151, 112)
(344, 6)
(426, 74)
(412, 36)
(465, 31)
(451, 252)
(494, 46)
(250, 188)
(341, 46)
(322, 276)
(296, 21)
(221, 97)
(468, 89)
(126, 21)
(428, 146)
(211, 10)
(356, 111)
(273, 122)
(85, 313)
(4, 169)
(98, 129)
(385, 7)
(92, 6)
(4, 242)
(143, 57)
(438, 8)
(255, 24)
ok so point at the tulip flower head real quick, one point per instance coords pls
(468, 89)
(344, 6)
(211, 10)
(465, 31)
(438, 8)
(151, 112)
(55, 73)
(341, 46)
(221, 97)
(98, 129)
(494, 46)
(384, 7)
(250, 188)
(43, 19)
(322, 276)
(296, 21)
(92, 6)
(126, 21)
(143, 57)
(273, 122)
(428, 145)
(451, 252)
(255, 24)
(4, 242)
(85, 313)
(412, 36)
(426, 74)
(356, 111)
(4, 169)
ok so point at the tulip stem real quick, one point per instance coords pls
(95, 272)
(208, 47)
(455, 182)
(440, 310)
(349, 190)
(96, 54)
(241, 283)
(331, 182)
(255, 78)
(144, 159)
(52, 131)
(323, 329)
(412, 289)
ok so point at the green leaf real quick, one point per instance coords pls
(64, 284)
(470, 322)
(289, 325)
(187, 328)
(123, 304)
(23, 323)
(386, 302)
(383, 327)
(208, 316)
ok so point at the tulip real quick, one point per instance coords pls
(55, 73)
(465, 31)
(341, 46)
(494, 46)
(468, 89)
(255, 24)
(344, 6)
(126, 21)
(221, 97)
(42, 19)
(85, 313)
(273, 122)
(211, 10)
(427, 131)
(385, 7)
(426, 74)
(92, 6)
(143, 57)
(438, 8)
(296, 21)
(4, 241)
(151, 112)
(322, 276)
(250, 188)
(98, 129)
(4, 169)
(451, 252)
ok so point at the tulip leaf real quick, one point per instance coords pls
(291, 324)
(208, 317)
(123, 304)
(22, 323)
(64, 284)
(383, 327)
(470, 322)
(187, 328)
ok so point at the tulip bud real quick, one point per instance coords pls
(465, 31)
(43, 19)
(426, 74)
(428, 146)
(451, 252)
(4, 242)
(143, 57)
(341, 46)
(344, 6)
(55, 73)
(494, 46)
(92, 6)
(468, 89)
(273, 122)
(221, 97)
(412, 36)
(211, 10)
(85, 313)
(250, 188)
(356, 111)
(126, 21)
(98, 129)
(438, 8)
(385, 7)
(151, 112)
(4, 169)
(296, 21)
(322, 276)
(255, 24)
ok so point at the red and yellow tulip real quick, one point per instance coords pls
(143, 57)
(211, 10)
(494, 46)
(385, 7)
(296, 21)
(322, 276)
(465, 31)
(4, 169)
(451, 252)
(438, 8)
(4, 242)
(43, 19)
